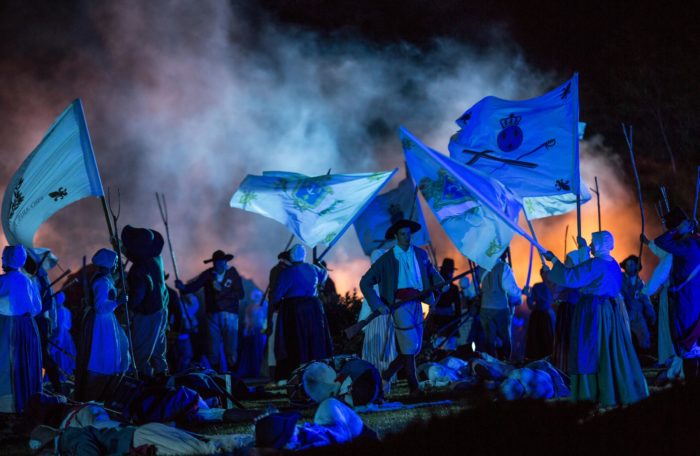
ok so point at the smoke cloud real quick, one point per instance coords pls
(186, 98)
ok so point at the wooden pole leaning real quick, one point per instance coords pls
(629, 139)
(122, 277)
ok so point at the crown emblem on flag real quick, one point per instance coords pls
(511, 137)
(510, 121)
(309, 193)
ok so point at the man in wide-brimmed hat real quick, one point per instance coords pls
(403, 270)
(223, 290)
(682, 241)
(148, 299)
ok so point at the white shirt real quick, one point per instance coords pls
(498, 287)
(409, 272)
(659, 278)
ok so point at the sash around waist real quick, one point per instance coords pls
(407, 295)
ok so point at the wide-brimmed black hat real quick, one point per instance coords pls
(674, 217)
(448, 264)
(219, 255)
(634, 258)
(403, 223)
(141, 242)
(275, 430)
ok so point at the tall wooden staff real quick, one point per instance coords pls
(534, 236)
(697, 193)
(629, 138)
(597, 200)
(163, 208)
(122, 279)
(475, 276)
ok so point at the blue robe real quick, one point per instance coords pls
(685, 310)
(302, 333)
(20, 346)
(602, 362)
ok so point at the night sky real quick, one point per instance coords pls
(188, 97)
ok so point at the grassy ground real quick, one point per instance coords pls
(383, 422)
(386, 423)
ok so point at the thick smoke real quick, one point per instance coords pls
(186, 98)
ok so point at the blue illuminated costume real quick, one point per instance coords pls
(602, 362)
(302, 332)
(103, 352)
(684, 292)
(222, 292)
(63, 351)
(20, 346)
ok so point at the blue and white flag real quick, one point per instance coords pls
(317, 209)
(478, 213)
(531, 146)
(399, 203)
(60, 171)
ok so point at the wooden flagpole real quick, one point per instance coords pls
(697, 193)
(122, 278)
(629, 140)
(597, 199)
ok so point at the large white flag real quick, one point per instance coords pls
(60, 171)
(317, 209)
(530, 145)
(478, 213)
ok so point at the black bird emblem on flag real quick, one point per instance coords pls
(566, 91)
(562, 184)
(17, 198)
(59, 194)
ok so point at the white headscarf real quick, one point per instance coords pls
(297, 253)
(602, 242)
(105, 258)
(14, 256)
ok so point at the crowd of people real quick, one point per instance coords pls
(591, 317)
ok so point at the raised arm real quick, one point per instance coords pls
(574, 277)
(193, 286)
